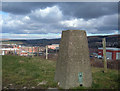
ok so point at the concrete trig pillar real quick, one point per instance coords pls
(73, 64)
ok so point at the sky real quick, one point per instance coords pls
(38, 20)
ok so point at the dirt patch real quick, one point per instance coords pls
(21, 61)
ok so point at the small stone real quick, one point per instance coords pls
(52, 88)
(10, 84)
(24, 87)
(58, 83)
(5, 87)
(42, 83)
(33, 87)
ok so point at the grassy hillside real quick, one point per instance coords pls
(21, 72)
(12, 42)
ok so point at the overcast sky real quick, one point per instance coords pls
(47, 20)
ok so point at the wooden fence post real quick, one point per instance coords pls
(19, 50)
(38, 52)
(46, 52)
(104, 55)
(32, 52)
(28, 51)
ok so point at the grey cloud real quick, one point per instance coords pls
(89, 9)
(77, 9)
(23, 7)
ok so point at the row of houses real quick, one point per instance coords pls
(21, 50)
(111, 53)
(24, 50)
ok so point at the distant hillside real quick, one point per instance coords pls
(39, 42)
(111, 41)
(93, 41)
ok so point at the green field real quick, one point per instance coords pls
(19, 72)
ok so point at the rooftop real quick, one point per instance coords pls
(110, 48)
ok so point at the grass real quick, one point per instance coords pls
(24, 71)
(29, 72)
(109, 80)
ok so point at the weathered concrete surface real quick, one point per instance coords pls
(73, 58)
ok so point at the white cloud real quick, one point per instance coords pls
(26, 18)
(49, 14)
(30, 36)
(1, 21)
(106, 23)
(12, 21)
(47, 11)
